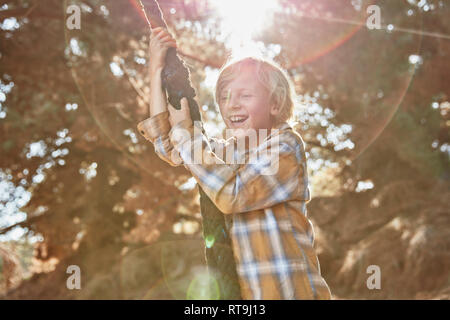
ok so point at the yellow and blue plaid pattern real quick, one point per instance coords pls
(266, 214)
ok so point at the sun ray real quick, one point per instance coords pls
(241, 20)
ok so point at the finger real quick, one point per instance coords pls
(166, 38)
(173, 110)
(156, 38)
(156, 35)
(155, 32)
(167, 45)
(169, 41)
(161, 34)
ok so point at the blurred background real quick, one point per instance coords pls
(79, 185)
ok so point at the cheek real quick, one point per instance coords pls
(258, 113)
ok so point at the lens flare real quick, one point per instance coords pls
(203, 287)
(209, 241)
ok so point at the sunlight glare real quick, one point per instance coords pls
(240, 20)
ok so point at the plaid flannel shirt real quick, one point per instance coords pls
(265, 215)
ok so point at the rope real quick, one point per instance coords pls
(218, 249)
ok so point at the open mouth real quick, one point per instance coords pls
(236, 120)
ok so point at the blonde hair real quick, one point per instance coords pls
(270, 75)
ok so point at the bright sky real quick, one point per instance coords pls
(241, 19)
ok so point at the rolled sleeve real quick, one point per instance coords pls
(156, 130)
(155, 127)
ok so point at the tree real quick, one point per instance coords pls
(374, 104)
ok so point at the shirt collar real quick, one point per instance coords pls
(283, 126)
(278, 128)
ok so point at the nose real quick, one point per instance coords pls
(234, 106)
(232, 103)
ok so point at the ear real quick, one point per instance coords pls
(274, 110)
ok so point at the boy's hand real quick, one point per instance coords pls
(177, 116)
(160, 41)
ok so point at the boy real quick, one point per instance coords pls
(266, 214)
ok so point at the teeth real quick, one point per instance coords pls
(237, 118)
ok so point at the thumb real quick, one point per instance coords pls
(170, 107)
(184, 103)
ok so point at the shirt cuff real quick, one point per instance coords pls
(155, 126)
(183, 131)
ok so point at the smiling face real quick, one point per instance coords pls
(244, 103)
